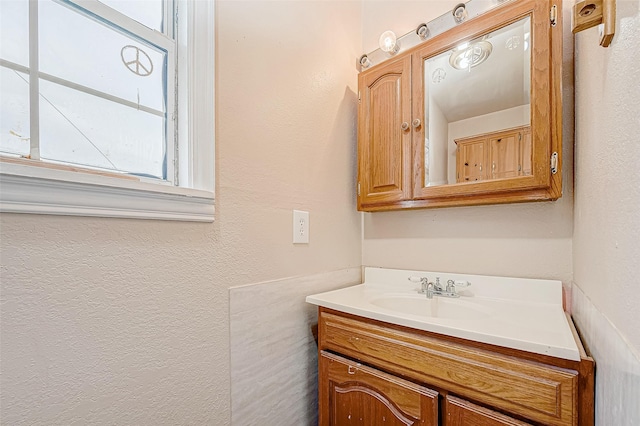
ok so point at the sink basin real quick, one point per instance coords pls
(518, 313)
(438, 307)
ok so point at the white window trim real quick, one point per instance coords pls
(42, 190)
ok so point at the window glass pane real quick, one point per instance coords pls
(147, 12)
(14, 112)
(79, 128)
(89, 53)
(14, 31)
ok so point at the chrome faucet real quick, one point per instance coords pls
(431, 289)
(424, 284)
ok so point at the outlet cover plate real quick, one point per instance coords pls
(300, 227)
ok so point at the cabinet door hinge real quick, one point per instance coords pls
(554, 163)
(359, 98)
(553, 15)
(358, 189)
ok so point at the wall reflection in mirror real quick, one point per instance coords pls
(477, 108)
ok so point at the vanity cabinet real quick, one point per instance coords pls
(371, 368)
(495, 155)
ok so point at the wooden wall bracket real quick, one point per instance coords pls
(589, 13)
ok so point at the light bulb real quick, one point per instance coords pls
(364, 61)
(389, 43)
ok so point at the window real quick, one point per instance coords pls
(90, 123)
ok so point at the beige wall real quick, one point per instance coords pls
(526, 240)
(607, 204)
(127, 321)
(606, 294)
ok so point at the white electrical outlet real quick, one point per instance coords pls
(300, 227)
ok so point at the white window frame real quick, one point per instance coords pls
(27, 187)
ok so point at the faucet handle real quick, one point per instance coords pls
(437, 284)
(451, 286)
(424, 282)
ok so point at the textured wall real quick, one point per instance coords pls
(617, 365)
(607, 204)
(274, 359)
(110, 321)
(523, 240)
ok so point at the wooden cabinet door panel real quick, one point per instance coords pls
(353, 394)
(384, 147)
(471, 161)
(504, 154)
(459, 412)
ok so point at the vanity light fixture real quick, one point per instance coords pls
(389, 43)
(460, 13)
(468, 56)
(364, 61)
(422, 31)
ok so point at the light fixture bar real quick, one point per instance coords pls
(435, 27)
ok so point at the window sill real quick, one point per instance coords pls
(37, 190)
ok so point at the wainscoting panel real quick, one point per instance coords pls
(617, 365)
(273, 355)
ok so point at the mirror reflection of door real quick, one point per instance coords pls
(477, 108)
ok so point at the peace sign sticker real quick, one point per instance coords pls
(136, 60)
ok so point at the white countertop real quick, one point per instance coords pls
(517, 313)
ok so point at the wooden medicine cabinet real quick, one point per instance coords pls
(485, 93)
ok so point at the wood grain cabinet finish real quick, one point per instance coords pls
(392, 125)
(459, 412)
(354, 394)
(471, 160)
(495, 155)
(533, 389)
(384, 132)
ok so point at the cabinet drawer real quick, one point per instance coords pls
(535, 391)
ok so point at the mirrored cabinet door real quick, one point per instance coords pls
(477, 99)
(480, 94)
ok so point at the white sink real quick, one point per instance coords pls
(438, 307)
(518, 313)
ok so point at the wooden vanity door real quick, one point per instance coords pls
(384, 133)
(354, 394)
(459, 412)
